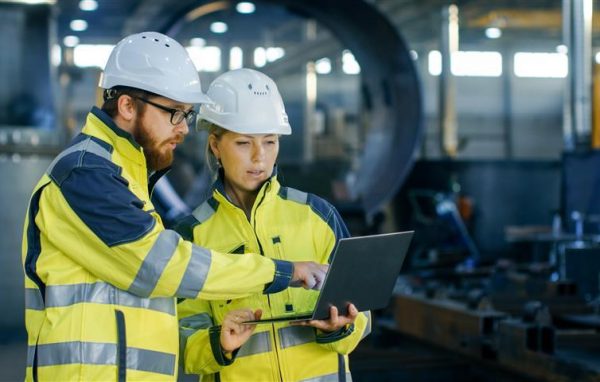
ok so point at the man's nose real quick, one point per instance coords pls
(183, 127)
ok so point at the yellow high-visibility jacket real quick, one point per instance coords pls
(284, 224)
(102, 271)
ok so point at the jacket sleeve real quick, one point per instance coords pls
(95, 220)
(346, 339)
(199, 339)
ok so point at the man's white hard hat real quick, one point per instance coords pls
(156, 63)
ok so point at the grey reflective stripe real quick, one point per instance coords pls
(203, 212)
(295, 335)
(296, 196)
(368, 327)
(328, 378)
(195, 273)
(188, 326)
(150, 360)
(197, 321)
(87, 145)
(102, 293)
(184, 334)
(257, 343)
(94, 353)
(33, 299)
(30, 355)
(154, 264)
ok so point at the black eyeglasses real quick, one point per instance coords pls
(177, 116)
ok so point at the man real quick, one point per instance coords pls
(101, 270)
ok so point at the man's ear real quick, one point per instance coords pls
(126, 107)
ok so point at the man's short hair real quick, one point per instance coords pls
(111, 98)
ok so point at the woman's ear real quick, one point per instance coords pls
(214, 147)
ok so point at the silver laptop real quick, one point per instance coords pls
(363, 271)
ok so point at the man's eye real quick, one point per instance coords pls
(240, 143)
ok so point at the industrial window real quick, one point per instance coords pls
(206, 58)
(262, 55)
(89, 55)
(236, 58)
(541, 65)
(468, 64)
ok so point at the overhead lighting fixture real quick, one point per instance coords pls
(218, 27)
(71, 41)
(245, 7)
(260, 57)
(274, 53)
(197, 41)
(493, 33)
(323, 66)
(597, 58)
(349, 63)
(78, 25)
(88, 5)
(562, 49)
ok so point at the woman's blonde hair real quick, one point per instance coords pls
(211, 161)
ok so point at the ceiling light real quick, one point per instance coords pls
(562, 49)
(323, 66)
(218, 27)
(197, 41)
(88, 5)
(493, 33)
(245, 7)
(71, 41)
(79, 25)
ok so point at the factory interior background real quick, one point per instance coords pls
(474, 123)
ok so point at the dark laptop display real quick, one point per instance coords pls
(363, 271)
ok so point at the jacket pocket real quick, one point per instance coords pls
(278, 246)
(121, 346)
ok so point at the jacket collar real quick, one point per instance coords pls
(268, 190)
(101, 125)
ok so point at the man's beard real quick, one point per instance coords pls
(155, 158)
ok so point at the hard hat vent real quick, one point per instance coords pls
(256, 92)
(157, 40)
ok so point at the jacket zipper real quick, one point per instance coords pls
(289, 307)
(121, 346)
(260, 248)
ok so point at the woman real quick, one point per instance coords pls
(249, 211)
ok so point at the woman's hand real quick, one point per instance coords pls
(335, 321)
(234, 333)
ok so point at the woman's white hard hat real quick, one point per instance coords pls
(245, 101)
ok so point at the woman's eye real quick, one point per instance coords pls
(240, 143)
(270, 142)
